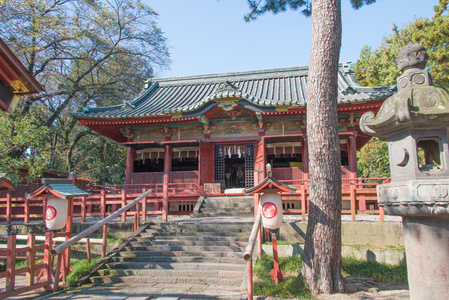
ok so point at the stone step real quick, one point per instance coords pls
(172, 273)
(175, 266)
(239, 227)
(198, 259)
(145, 242)
(161, 232)
(223, 214)
(226, 282)
(183, 248)
(188, 291)
(205, 238)
(227, 210)
(226, 204)
(201, 226)
(179, 253)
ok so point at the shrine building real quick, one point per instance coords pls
(219, 130)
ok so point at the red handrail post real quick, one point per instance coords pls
(249, 267)
(31, 258)
(88, 249)
(11, 262)
(105, 240)
(276, 273)
(57, 272)
(8, 208)
(123, 205)
(47, 256)
(144, 208)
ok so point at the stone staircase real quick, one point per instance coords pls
(193, 258)
(224, 206)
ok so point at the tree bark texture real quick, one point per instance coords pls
(322, 257)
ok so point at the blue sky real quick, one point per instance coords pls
(210, 36)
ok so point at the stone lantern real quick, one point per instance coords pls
(415, 122)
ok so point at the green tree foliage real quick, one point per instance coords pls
(16, 134)
(85, 53)
(373, 160)
(378, 67)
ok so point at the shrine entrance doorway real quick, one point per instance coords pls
(234, 165)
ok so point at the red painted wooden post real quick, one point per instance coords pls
(26, 210)
(249, 267)
(303, 202)
(276, 273)
(144, 208)
(31, 258)
(105, 240)
(123, 205)
(305, 158)
(88, 249)
(44, 206)
(381, 214)
(103, 204)
(353, 203)
(83, 208)
(57, 272)
(166, 181)
(47, 256)
(69, 229)
(11, 262)
(8, 208)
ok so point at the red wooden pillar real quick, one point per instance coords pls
(352, 155)
(166, 181)
(129, 165)
(305, 158)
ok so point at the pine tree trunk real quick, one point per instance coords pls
(322, 257)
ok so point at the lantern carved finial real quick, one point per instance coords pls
(412, 60)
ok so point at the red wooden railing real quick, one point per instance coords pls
(359, 196)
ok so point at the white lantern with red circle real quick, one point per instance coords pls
(272, 215)
(56, 213)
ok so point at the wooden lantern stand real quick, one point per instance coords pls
(272, 185)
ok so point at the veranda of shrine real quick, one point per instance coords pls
(188, 137)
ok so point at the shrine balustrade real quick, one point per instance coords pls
(359, 197)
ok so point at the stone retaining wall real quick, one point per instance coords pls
(353, 233)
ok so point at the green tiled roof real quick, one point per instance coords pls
(262, 90)
(67, 190)
(63, 187)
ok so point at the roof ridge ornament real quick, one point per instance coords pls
(227, 86)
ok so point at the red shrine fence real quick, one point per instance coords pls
(358, 197)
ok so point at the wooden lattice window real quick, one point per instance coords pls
(220, 165)
(249, 165)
